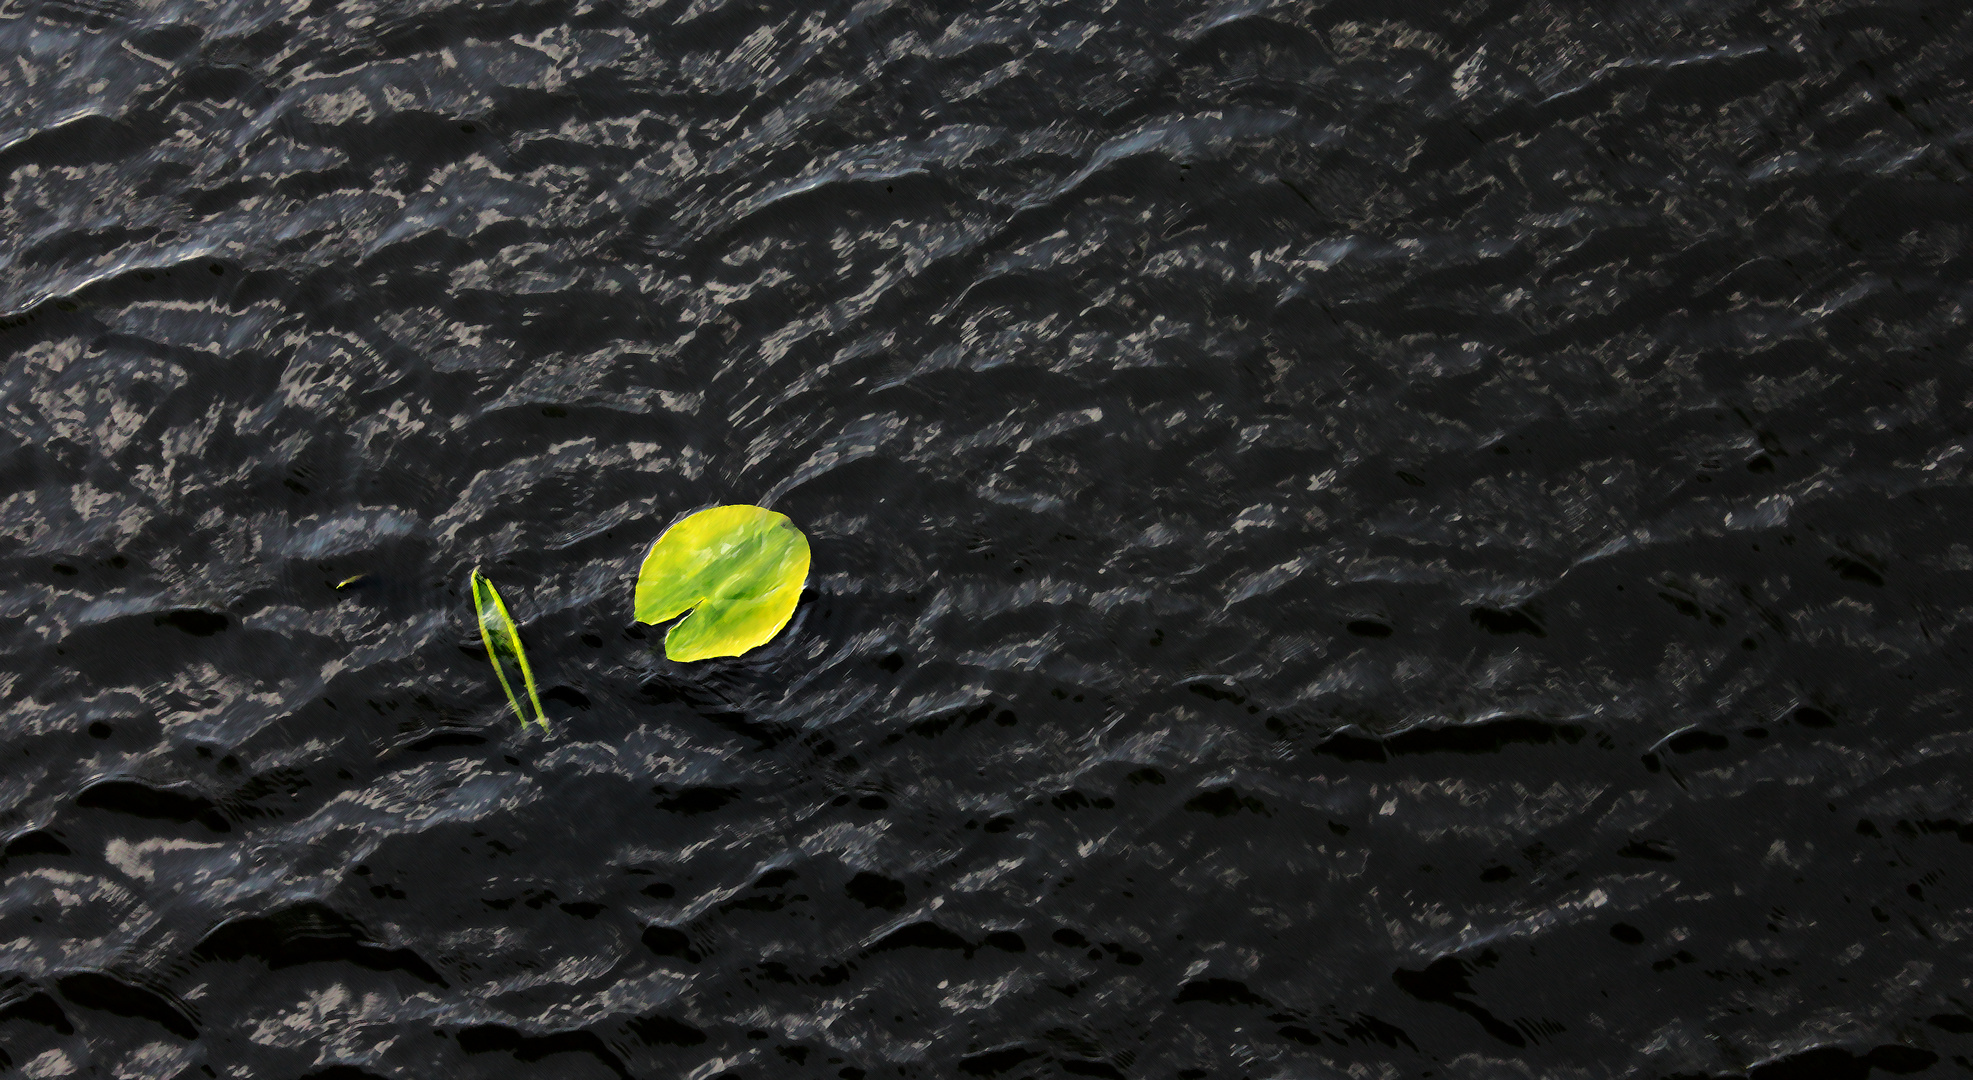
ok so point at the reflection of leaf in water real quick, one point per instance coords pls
(503, 639)
(738, 569)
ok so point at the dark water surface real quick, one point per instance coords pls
(1351, 539)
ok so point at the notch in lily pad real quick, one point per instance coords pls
(738, 569)
(503, 647)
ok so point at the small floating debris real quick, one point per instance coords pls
(503, 641)
(738, 569)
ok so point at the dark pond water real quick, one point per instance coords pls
(1351, 539)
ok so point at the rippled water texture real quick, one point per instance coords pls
(1350, 539)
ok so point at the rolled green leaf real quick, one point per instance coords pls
(738, 569)
(503, 641)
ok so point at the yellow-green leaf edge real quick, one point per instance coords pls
(501, 637)
(738, 569)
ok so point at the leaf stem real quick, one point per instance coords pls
(493, 617)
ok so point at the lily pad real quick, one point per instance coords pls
(737, 569)
(503, 643)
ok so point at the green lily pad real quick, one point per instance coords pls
(737, 569)
(503, 643)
